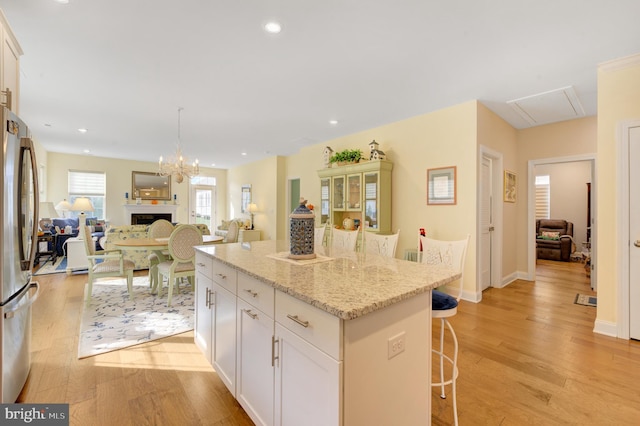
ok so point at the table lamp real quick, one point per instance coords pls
(46, 211)
(252, 208)
(64, 206)
(82, 204)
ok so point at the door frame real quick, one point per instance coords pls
(214, 203)
(531, 210)
(622, 177)
(496, 206)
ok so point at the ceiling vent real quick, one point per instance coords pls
(549, 107)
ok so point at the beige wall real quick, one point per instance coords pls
(266, 193)
(119, 181)
(496, 134)
(440, 139)
(618, 101)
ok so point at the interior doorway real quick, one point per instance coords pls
(572, 198)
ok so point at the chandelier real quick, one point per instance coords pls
(178, 166)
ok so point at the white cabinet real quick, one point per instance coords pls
(215, 319)
(203, 323)
(307, 383)
(255, 370)
(247, 235)
(76, 254)
(224, 347)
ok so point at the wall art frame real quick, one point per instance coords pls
(510, 188)
(441, 186)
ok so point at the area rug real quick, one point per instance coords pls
(586, 300)
(112, 321)
(58, 267)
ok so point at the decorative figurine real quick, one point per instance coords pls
(374, 152)
(301, 233)
(327, 153)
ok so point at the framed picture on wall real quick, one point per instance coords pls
(509, 186)
(441, 186)
(245, 199)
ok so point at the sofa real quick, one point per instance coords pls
(60, 227)
(554, 239)
(139, 257)
(222, 229)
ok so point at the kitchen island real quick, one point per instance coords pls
(343, 339)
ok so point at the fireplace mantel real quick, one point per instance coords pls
(150, 209)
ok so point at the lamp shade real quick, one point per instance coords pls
(63, 205)
(82, 204)
(252, 208)
(47, 211)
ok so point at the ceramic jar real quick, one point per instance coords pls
(301, 232)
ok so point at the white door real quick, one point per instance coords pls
(203, 208)
(634, 233)
(486, 224)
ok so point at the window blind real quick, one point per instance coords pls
(86, 183)
(543, 190)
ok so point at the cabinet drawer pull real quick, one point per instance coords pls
(273, 350)
(251, 292)
(251, 314)
(200, 264)
(295, 318)
(224, 277)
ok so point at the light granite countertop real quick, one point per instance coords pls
(345, 284)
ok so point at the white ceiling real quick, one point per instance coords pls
(121, 68)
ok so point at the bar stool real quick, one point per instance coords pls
(444, 306)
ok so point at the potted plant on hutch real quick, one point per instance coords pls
(347, 156)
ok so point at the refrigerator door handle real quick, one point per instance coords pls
(15, 304)
(28, 218)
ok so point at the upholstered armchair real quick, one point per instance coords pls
(554, 239)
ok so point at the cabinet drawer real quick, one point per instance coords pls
(256, 293)
(203, 264)
(224, 275)
(314, 325)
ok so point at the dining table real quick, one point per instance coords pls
(159, 245)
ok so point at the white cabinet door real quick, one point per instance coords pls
(203, 327)
(224, 347)
(254, 387)
(307, 383)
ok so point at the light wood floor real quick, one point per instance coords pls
(527, 356)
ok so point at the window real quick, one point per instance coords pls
(543, 190)
(91, 185)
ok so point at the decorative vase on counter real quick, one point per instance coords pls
(301, 232)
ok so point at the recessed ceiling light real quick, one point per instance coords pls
(273, 27)
(86, 151)
(333, 122)
(243, 153)
(82, 130)
(62, 1)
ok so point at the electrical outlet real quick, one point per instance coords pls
(396, 345)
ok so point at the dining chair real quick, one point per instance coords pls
(318, 235)
(344, 239)
(160, 228)
(450, 254)
(232, 233)
(182, 241)
(384, 245)
(105, 263)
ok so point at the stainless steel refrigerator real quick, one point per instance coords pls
(18, 237)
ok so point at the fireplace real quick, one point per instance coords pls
(147, 213)
(148, 218)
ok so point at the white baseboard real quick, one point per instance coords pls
(607, 328)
